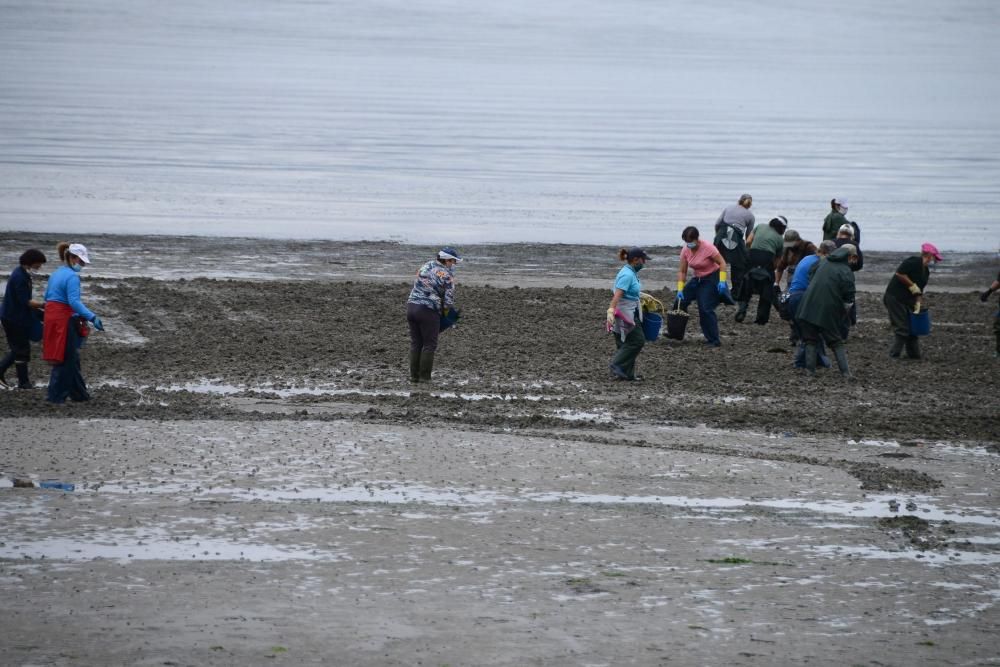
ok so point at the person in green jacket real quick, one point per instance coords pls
(824, 306)
(835, 218)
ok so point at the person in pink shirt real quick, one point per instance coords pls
(707, 287)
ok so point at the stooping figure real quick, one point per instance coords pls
(824, 307)
(432, 297)
(707, 287)
(904, 295)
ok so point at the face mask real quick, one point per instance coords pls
(692, 245)
(76, 267)
(637, 267)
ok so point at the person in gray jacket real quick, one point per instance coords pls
(732, 227)
(824, 306)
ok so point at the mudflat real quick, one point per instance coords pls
(256, 480)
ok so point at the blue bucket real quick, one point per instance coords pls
(920, 323)
(449, 320)
(651, 323)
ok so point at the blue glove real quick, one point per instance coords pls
(723, 288)
(97, 323)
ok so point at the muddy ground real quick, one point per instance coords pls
(258, 482)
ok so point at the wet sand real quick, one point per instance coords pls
(257, 480)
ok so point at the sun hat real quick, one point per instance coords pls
(932, 250)
(80, 251)
(449, 253)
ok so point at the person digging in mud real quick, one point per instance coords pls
(18, 317)
(796, 289)
(432, 296)
(984, 297)
(731, 229)
(824, 306)
(707, 287)
(794, 249)
(849, 233)
(66, 326)
(766, 243)
(904, 295)
(624, 316)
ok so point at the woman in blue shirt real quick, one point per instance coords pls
(625, 314)
(17, 315)
(66, 325)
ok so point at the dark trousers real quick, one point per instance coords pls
(759, 280)
(66, 380)
(705, 291)
(629, 349)
(19, 344)
(425, 325)
(899, 314)
(996, 331)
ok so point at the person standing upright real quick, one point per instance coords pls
(904, 295)
(835, 218)
(707, 287)
(17, 315)
(432, 296)
(731, 230)
(66, 326)
(624, 317)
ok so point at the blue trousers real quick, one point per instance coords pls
(66, 381)
(705, 291)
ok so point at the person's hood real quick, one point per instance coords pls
(839, 255)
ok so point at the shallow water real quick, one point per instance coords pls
(521, 121)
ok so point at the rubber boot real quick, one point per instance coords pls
(23, 381)
(6, 363)
(426, 366)
(897, 346)
(811, 355)
(913, 347)
(742, 312)
(414, 365)
(840, 353)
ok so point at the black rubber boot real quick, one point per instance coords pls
(913, 347)
(23, 381)
(742, 312)
(6, 363)
(414, 366)
(426, 366)
(897, 346)
(811, 355)
(840, 353)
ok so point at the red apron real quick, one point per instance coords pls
(56, 331)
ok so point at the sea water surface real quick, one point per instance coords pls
(586, 121)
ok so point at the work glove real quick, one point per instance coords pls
(445, 311)
(985, 296)
(611, 318)
(680, 291)
(914, 289)
(98, 324)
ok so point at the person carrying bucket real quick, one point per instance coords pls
(904, 296)
(624, 316)
(708, 286)
(432, 296)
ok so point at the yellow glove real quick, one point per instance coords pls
(916, 308)
(680, 286)
(914, 289)
(722, 276)
(611, 317)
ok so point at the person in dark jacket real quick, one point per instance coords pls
(18, 317)
(984, 297)
(794, 249)
(731, 230)
(904, 295)
(824, 306)
(835, 218)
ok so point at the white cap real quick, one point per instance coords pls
(846, 229)
(840, 201)
(80, 251)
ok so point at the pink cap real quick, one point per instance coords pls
(932, 249)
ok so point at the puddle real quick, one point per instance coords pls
(927, 557)
(159, 545)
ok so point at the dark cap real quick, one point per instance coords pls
(636, 252)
